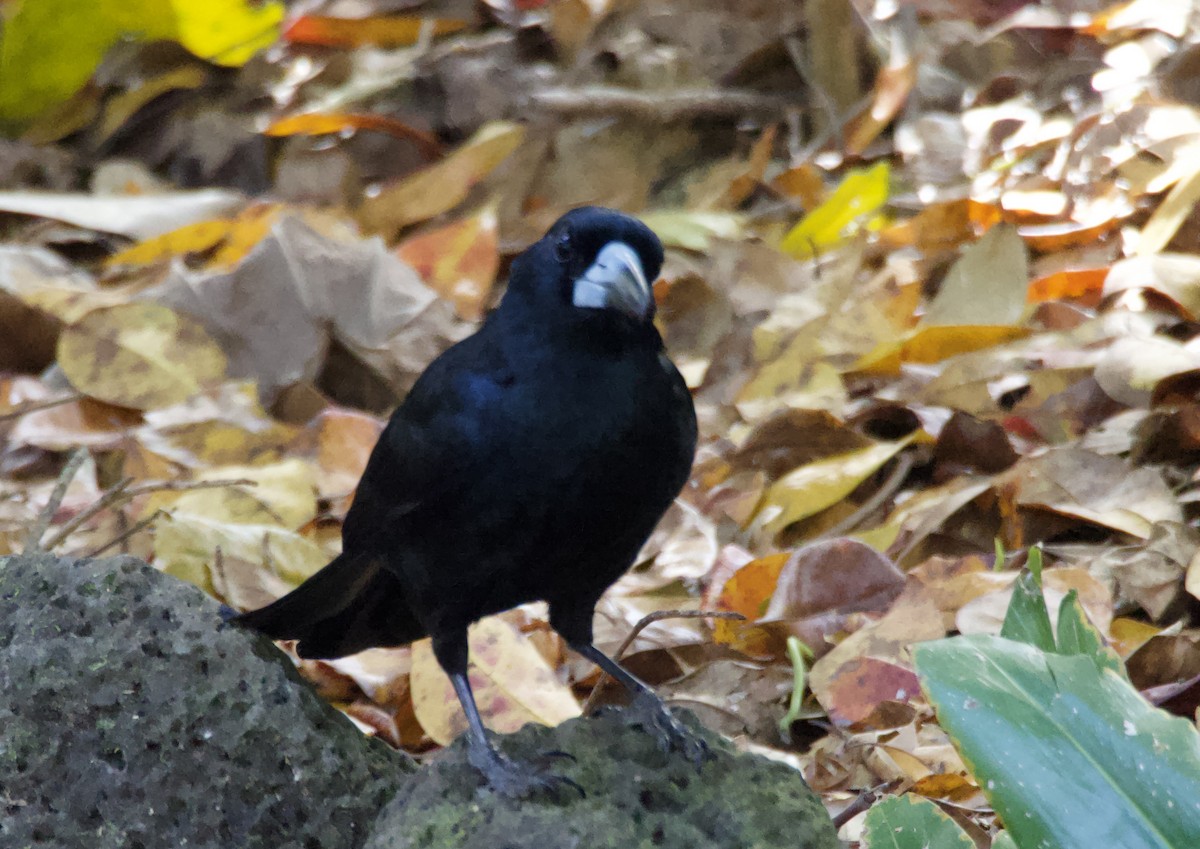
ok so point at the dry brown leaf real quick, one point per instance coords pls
(441, 187)
(913, 618)
(1104, 490)
(512, 683)
(823, 582)
(859, 686)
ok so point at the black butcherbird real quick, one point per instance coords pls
(529, 462)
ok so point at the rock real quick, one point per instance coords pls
(129, 717)
(637, 795)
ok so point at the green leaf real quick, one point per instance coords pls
(1027, 619)
(1034, 564)
(1003, 840)
(1077, 635)
(799, 654)
(910, 822)
(1069, 754)
(49, 48)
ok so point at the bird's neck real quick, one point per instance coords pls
(528, 328)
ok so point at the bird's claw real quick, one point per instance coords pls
(518, 779)
(672, 735)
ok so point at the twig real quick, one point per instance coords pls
(865, 799)
(33, 406)
(666, 105)
(184, 486)
(904, 464)
(68, 528)
(694, 700)
(34, 538)
(126, 534)
(836, 122)
(643, 623)
(121, 491)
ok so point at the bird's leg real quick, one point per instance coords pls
(648, 710)
(504, 775)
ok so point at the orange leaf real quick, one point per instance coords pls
(458, 261)
(937, 227)
(747, 593)
(322, 123)
(936, 343)
(345, 439)
(1085, 284)
(381, 31)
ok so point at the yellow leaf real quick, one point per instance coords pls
(860, 196)
(814, 487)
(443, 186)
(230, 239)
(186, 546)
(282, 494)
(513, 684)
(227, 32)
(49, 48)
(139, 355)
(934, 344)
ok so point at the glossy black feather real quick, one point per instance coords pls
(529, 462)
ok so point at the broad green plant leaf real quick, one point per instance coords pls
(1069, 754)
(910, 822)
(1028, 619)
(1077, 635)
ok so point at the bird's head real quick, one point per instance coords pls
(594, 261)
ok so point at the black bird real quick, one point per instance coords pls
(529, 462)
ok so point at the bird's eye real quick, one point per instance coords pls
(562, 248)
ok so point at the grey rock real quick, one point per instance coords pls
(637, 796)
(130, 716)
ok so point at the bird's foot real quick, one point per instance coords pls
(519, 779)
(648, 711)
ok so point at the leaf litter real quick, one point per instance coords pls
(933, 313)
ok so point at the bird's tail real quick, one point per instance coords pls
(350, 605)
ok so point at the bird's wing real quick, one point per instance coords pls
(434, 443)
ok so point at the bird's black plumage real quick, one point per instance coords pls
(529, 462)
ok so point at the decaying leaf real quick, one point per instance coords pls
(513, 684)
(139, 355)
